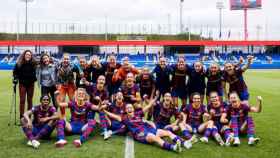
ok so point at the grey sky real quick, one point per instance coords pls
(198, 15)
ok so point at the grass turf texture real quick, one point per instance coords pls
(264, 83)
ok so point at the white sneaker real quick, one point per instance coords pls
(60, 143)
(253, 141)
(107, 134)
(236, 141)
(33, 143)
(177, 147)
(188, 144)
(219, 139)
(204, 139)
(77, 143)
(194, 139)
(29, 143)
(229, 140)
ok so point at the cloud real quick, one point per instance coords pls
(197, 14)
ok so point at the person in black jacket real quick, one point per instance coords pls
(25, 73)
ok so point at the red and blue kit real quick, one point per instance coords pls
(146, 85)
(164, 115)
(138, 127)
(239, 117)
(179, 86)
(237, 83)
(163, 81)
(214, 83)
(39, 130)
(194, 116)
(79, 120)
(196, 82)
(128, 92)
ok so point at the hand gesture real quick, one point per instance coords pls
(241, 60)
(250, 58)
(259, 98)
(224, 120)
(29, 124)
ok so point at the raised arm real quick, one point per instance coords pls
(151, 104)
(225, 90)
(153, 88)
(117, 75)
(258, 108)
(246, 66)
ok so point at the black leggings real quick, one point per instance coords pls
(50, 91)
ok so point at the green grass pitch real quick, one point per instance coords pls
(264, 82)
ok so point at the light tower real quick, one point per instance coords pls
(220, 7)
(169, 23)
(26, 13)
(245, 20)
(181, 16)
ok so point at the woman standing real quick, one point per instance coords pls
(25, 73)
(46, 75)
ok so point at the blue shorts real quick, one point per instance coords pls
(194, 127)
(116, 125)
(244, 95)
(77, 127)
(141, 136)
(37, 129)
(219, 126)
(160, 125)
(180, 93)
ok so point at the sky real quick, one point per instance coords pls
(162, 16)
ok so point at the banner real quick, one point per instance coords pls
(242, 4)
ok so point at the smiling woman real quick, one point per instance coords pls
(25, 73)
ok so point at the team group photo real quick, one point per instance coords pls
(151, 81)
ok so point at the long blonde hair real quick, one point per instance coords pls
(86, 99)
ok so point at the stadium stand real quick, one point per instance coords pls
(262, 60)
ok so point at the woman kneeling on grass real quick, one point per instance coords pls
(144, 132)
(82, 119)
(42, 125)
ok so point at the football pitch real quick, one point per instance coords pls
(260, 82)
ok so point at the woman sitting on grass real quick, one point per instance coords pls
(240, 121)
(42, 125)
(80, 122)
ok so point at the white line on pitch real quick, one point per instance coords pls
(129, 147)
